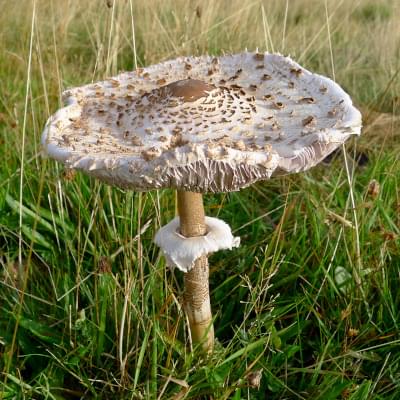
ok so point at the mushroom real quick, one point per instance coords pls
(176, 125)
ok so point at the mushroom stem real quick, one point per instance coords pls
(196, 293)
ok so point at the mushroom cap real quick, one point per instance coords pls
(204, 124)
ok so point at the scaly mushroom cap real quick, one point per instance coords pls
(202, 124)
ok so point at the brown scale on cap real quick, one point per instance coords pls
(275, 126)
(177, 140)
(332, 113)
(296, 71)
(309, 121)
(309, 100)
(266, 77)
(151, 153)
(136, 141)
(188, 89)
(279, 105)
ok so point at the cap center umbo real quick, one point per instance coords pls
(188, 89)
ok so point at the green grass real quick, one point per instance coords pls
(87, 306)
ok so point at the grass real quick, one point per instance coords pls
(310, 299)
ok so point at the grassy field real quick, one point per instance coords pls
(310, 300)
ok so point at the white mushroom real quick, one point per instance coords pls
(201, 124)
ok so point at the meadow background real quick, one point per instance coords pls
(310, 300)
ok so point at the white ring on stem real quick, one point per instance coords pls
(181, 252)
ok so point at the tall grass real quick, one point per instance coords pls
(310, 299)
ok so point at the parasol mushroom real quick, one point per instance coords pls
(202, 124)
